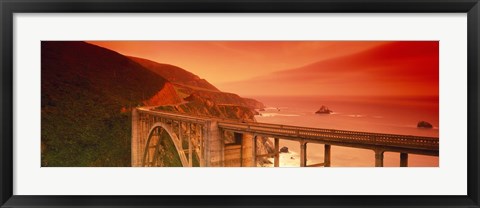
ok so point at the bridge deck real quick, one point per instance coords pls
(366, 140)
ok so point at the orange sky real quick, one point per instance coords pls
(299, 67)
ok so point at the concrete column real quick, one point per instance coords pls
(215, 145)
(241, 153)
(246, 153)
(180, 133)
(143, 139)
(378, 158)
(254, 151)
(276, 161)
(303, 154)
(201, 141)
(327, 155)
(403, 159)
(190, 146)
(135, 137)
(203, 133)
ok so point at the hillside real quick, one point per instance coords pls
(166, 96)
(175, 74)
(87, 93)
(220, 98)
(84, 87)
(185, 84)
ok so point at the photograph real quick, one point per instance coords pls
(229, 103)
(276, 103)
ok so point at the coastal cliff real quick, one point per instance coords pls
(202, 99)
(201, 106)
(175, 74)
(88, 92)
(185, 92)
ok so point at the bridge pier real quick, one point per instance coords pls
(403, 159)
(248, 153)
(254, 151)
(180, 135)
(276, 161)
(214, 145)
(199, 144)
(378, 158)
(134, 142)
(190, 145)
(303, 154)
(327, 155)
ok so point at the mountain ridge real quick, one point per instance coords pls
(397, 62)
(185, 84)
(174, 73)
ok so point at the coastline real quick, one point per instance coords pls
(364, 115)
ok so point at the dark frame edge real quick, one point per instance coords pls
(242, 6)
(6, 106)
(473, 21)
(7, 199)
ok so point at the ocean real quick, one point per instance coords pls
(394, 115)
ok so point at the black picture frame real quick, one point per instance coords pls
(10, 7)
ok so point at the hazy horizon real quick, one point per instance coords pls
(303, 68)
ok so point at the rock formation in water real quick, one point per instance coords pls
(323, 110)
(424, 124)
(284, 149)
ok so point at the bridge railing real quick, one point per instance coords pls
(368, 138)
(336, 135)
(175, 116)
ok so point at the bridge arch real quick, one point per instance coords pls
(159, 128)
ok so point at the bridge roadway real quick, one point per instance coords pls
(378, 142)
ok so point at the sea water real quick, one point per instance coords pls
(393, 115)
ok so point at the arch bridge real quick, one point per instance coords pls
(202, 141)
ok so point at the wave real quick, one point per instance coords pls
(415, 126)
(270, 108)
(276, 108)
(276, 114)
(290, 159)
(356, 116)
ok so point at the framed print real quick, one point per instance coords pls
(246, 104)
